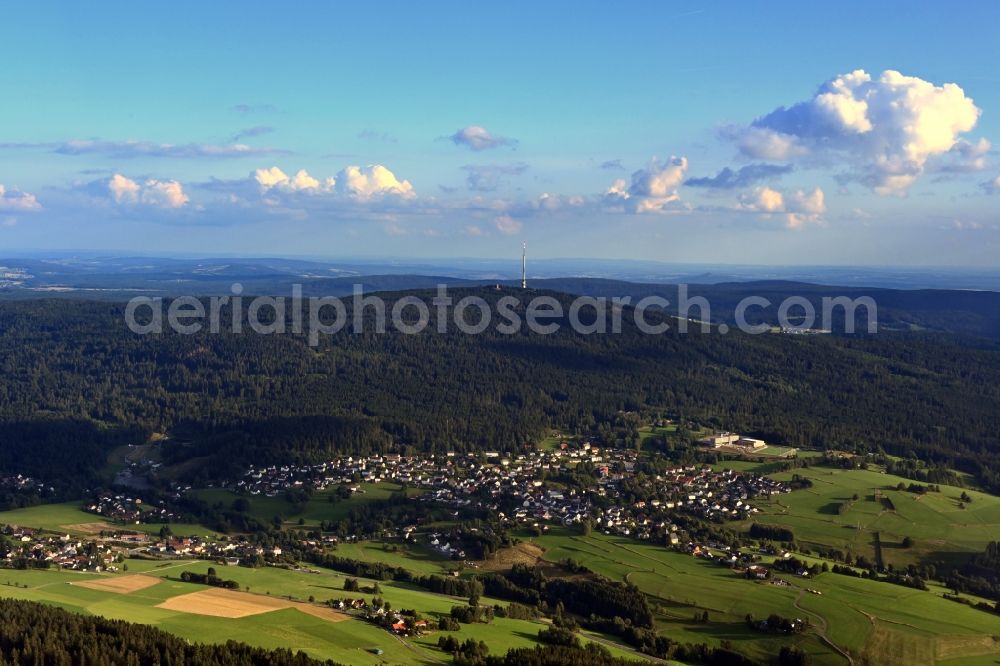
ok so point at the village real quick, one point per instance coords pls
(577, 484)
(536, 488)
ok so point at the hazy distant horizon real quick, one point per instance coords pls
(508, 268)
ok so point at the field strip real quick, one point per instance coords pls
(649, 557)
(120, 584)
(89, 528)
(952, 647)
(218, 602)
(609, 553)
(321, 612)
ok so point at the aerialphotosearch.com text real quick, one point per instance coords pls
(508, 314)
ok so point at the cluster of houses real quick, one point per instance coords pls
(698, 491)
(26, 548)
(525, 489)
(516, 487)
(400, 622)
(711, 494)
(428, 471)
(751, 563)
(232, 551)
(127, 509)
(24, 484)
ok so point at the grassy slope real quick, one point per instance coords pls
(62, 517)
(347, 642)
(344, 641)
(318, 508)
(939, 528)
(681, 585)
(417, 558)
(909, 627)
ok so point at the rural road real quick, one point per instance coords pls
(821, 629)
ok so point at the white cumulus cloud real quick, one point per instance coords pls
(505, 224)
(17, 200)
(798, 207)
(371, 181)
(356, 182)
(123, 189)
(885, 130)
(300, 182)
(163, 194)
(651, 189)
(151, 192)
(479, 138)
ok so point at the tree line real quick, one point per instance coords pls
(34, 633)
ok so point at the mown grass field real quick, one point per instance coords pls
(876, 623)
(349, 641)
(417, 558)
(681, 585)
(940, 529)
(70, 518)
(322, 505)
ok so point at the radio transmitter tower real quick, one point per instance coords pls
(524, 265)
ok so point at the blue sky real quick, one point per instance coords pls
(461, 129)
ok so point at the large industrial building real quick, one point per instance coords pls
(722, 439)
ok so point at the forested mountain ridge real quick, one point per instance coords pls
(965, 311)
(946, 310)
(74, 382)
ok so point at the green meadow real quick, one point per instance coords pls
(418, 558)
(936, 522)
(69, 517)
(877, 622)
(350, 641)
(323, 505)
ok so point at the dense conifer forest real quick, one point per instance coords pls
(75, 383)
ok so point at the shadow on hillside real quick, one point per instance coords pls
(830, 508)
(943, 560)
